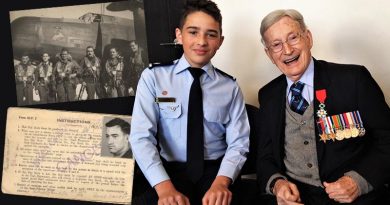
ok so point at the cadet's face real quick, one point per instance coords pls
(90, 52)
(25, 59)
(201, 38)
(64, 55)
(291, 60)
(116, 139)
(45, 57)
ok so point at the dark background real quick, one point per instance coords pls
(161, 19)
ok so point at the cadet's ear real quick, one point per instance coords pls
(178, 36)
(220, 43)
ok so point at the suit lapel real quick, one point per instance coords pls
(321, 81)
(280, 115)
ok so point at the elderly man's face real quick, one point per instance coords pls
(292, 60)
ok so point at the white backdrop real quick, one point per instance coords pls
(348, 31)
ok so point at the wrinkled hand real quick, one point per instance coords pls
(219, 193)
(286, 193)
(344, 190)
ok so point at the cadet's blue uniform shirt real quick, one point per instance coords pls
(224, 112)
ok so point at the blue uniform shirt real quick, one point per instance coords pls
(224, 113)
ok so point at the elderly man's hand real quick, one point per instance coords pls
(344, 190)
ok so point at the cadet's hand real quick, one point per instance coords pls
(344, 190)
(286, 193)
(168, 195)
(219, 193)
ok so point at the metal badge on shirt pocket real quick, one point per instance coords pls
(170, 110)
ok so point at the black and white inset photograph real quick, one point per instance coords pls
(115, 138)
(80, 52)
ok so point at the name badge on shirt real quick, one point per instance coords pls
(164, 100)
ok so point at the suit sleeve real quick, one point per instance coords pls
(267, 164)
(375, 113)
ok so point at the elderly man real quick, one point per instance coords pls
(324, 132)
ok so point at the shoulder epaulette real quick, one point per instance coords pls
(155, 64)
(225, 74)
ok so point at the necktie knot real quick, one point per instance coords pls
(296, 88)
(196, 72)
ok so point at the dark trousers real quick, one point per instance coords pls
(313, 195)
(178, 174)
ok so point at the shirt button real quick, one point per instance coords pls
(309, 165)
(305, 142)
(303, 122)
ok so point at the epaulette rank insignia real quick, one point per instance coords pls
(225, 74)
(155, 64)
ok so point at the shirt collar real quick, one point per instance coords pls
(182, 64)
(307, 77)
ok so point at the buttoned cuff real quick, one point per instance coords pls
(363, 185)
(267, 188)
(156, 175)
(228, 170)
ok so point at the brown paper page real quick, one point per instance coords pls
(62, 154)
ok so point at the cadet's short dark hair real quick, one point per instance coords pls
(125, 126)
(206, 6)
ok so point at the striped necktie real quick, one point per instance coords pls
(298, 103)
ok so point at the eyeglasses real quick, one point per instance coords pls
(292, 39)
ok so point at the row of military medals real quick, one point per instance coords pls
(339, 127)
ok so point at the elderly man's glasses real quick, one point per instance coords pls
(292, 40)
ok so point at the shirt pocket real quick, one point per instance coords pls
(170, 110)
(216, 114)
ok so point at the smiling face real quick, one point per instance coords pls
(201, 38)
(64, 55)
(291, 60)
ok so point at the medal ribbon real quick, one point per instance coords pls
(321, 95)
(346, 121)
(322, 125)
(360, 119)
(351, 123)
(342, 120)
(331, 127)
(334, 119)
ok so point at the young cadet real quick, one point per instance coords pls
(190, 143)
